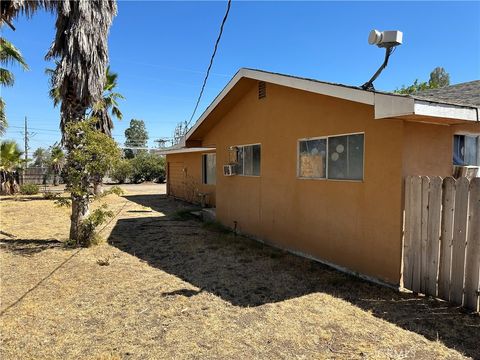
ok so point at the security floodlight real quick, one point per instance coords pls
(387, 40)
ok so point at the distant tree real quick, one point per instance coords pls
(40, 157)
(147, 167)
(9, 54)
(10, 162)
(438, 78)
(56, 162)
(135, 136)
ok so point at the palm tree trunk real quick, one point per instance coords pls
(80, 210)
(55, 179)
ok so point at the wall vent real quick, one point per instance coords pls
(262, 89)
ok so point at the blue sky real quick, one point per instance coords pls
(161, 51)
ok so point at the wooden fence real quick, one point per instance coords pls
(442, 238)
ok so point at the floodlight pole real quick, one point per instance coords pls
(369, 84)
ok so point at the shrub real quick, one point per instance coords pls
(50, 195)
(88, 232)
(29, 189)
(122, 171)
(148, 167)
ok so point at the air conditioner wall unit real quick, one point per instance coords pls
(469, 172)
(228, 170)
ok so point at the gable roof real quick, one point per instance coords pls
(386, 105)
(465, 94)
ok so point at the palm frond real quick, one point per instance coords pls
(9, 54)
(6, 77)
(3, 118)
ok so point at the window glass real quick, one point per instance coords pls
(466, 150)
(209, 169)
(248, 160)
(471, 149)
(345, 157)
(311, 161)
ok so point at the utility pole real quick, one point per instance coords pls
(26, 137)
(26, 143)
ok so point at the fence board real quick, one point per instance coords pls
(407, 236)
(433, 234)
(448, 209)
(424, 233)
(459, 241)
(416, 209)
(472, 262)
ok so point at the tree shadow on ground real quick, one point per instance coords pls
(29, 247)
(247, 273)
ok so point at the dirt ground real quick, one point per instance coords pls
(166, 286)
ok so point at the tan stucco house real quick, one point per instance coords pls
(318, 168)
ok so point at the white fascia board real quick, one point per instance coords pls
(186, 150)
(391, 106)
(337, 91)
(445, 111)
(387, 106)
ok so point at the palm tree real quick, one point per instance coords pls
(80, 49)
(57, 161)
(10, 161)
(103, 110)
(108, 106)
(9, 54)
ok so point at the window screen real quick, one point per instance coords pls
(311, 158)
(345, 157)
(209, 169)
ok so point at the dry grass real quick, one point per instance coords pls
(166, 287)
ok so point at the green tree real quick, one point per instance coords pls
(10, 162)
(80, 49)
(135, 136)
(122, 171)
(148, 167)
(438, 78)
(108, 106)
(9, 54)
(40, 157)
(56, 162)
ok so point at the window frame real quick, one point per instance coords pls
(326, 158)
(243, 164)
(465, 134)
(204, 165)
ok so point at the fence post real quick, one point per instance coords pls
(433, 234)
(459, 241)
(472, 262)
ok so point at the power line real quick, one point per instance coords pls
(211, 62)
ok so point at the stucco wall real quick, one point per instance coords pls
(352, 224)
(428, 148)
(190, 180)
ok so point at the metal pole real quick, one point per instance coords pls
(26, 143)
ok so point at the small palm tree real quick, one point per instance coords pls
(57, 161)
(9, 54)
(10, 162)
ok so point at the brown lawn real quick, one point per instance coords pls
(167, 287)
